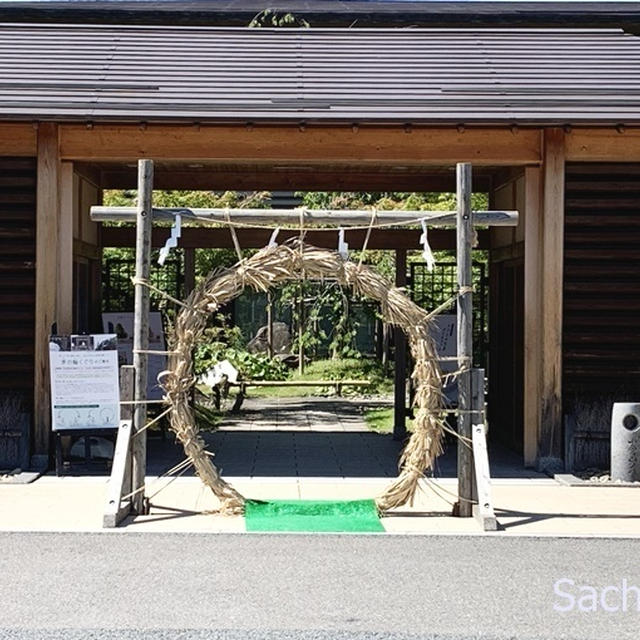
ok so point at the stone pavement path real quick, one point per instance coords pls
(303, 437)
(295, 437)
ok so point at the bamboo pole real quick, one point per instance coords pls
(310, 217)
(144, 223)
(464, 234)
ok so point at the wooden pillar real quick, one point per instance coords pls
(65, 250)
(400, 362)
(144, 226)
(189, 271)
(550, 436)
(464, 236)
(47, 216)
(533, 266)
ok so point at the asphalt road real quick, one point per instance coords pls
(175, 586)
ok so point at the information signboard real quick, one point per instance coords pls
(84, 382)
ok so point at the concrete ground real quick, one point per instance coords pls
(302, 449)
(79, 586)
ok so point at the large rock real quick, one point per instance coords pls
(281, 339)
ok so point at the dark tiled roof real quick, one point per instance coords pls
(331, 13)
(418, 75)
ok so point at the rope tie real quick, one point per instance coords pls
(234, 235)
(160, 292)
(152, 422)
(374, 216)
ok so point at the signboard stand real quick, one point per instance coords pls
(86, 434)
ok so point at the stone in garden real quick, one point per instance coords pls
(281, 339)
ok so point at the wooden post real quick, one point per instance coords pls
(64, 305)
(270, 322)
(400, 361)
(301, 329)
(533, 267)
(550, 444)
(47, 215)
(116, 509)
(483, 510)
(189, 271)
(464, 237)
(144, 225)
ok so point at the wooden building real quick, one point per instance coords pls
(550, 120)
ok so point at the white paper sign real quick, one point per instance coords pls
(84, 382)
(444, 334)
(122, 325)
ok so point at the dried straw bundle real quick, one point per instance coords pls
(293, 261)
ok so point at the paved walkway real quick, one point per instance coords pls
(294, 437)
(313, 437)
(321, 450)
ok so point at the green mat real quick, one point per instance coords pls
(312, 515)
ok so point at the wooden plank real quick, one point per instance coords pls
(141, 329)
(366, 145)
(533, 267)
(483, 511)
(65, 250)
(218, 178)
(300, 383)
(603, 145)
(116, 509)
(206, 238)
(400, 359)
(550, 436)
(83, 249)
(47, 213)
(18, 139)
(464, 230)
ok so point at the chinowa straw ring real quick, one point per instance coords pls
(275, 265)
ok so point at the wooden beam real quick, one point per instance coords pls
(621, 144)
(310, 217)
(301, 179)
(64, 303)
(533, 272)
(342, 145)
(89, 251)
(18, 139)
(47, 215)
(550, 436)
(400, 359)
(218, 238)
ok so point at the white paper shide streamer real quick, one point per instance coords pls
(273, 239)
(343, 247)
(172, 240)
(427, 254)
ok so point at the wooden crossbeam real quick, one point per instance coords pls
(308, 217)
(220, 238)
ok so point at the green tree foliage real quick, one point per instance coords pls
(275, 18)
